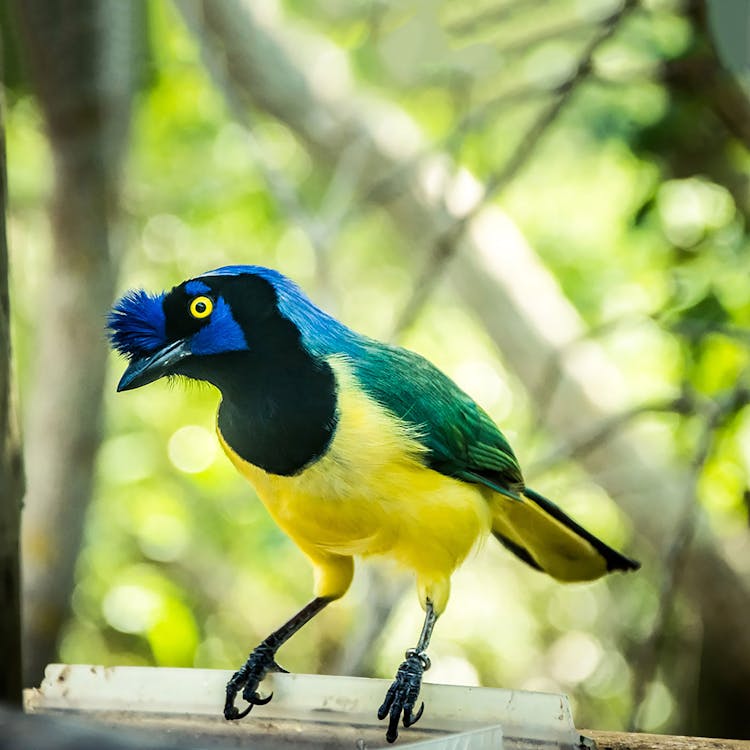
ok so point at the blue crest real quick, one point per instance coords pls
(136, 324)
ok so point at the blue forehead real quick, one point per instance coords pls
(196, 287)
(238, 270)
(136, 324)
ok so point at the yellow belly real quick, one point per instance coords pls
(370, 494)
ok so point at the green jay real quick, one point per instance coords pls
(355, 447)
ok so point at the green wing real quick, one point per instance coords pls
(461, 438)
(463, 442)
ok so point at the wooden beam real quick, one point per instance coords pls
(640, 741)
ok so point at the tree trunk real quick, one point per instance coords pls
(79, 56)
(11, 478)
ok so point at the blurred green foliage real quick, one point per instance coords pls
(181, 564)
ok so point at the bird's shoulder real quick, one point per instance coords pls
(461, 439)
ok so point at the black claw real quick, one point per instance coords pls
(409, 720)
(256, 700)
(247, 679)
(403, 693)
(232, 713)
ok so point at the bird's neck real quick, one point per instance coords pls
(278, 409)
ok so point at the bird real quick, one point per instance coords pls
(356, 448)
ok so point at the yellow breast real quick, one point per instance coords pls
(371, 494)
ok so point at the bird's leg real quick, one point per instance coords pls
(404, 690)
(262, 661)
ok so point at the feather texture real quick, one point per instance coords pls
(136, 324)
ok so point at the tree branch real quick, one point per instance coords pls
(492, 16)
(578, 446)
(715, 414)
(80, 57)
(446, 243)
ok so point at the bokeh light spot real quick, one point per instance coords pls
(128, 458)
(192, 449)
(130, 608)
(162, 537)
(483, 383)
(574, 657)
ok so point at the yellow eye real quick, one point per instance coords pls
(201, 307)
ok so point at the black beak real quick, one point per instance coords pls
(145, 370)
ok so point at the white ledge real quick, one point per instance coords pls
(316, 710)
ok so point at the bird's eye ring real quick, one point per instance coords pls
(201, 307)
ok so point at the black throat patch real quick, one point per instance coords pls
(279, 415)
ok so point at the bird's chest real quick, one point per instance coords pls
(371, 492)
(345, 500)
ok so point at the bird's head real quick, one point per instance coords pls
(191, 329)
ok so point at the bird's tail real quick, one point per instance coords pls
(546, 538)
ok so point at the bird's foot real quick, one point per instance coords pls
(260, 662)
(403, 693)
